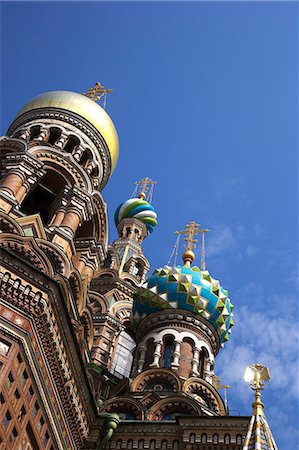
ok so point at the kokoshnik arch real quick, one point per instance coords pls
(93, 354)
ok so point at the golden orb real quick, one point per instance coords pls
(84, 107)
(188, 256)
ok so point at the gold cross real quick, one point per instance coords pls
(97, 92)
(145, 188)
(191, 230)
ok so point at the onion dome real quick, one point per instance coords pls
(84, 107)
(185, 288)
(137, 208)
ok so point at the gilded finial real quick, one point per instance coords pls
(97, 92)
(256, 375)
(144, 189)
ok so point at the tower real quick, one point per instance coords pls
(181, 317)
(124, 268)
(58, 154)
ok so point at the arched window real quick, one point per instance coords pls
(34, 131)
(130, 443)
(43, 196)
(227, 439)
(192, 438)
(204, 438)
(152, 443)
(141, 443)
(71, 144)
(239, 439)
(118, 443)
(168, 344)
(123, 357)
(54, 135)
(215, 439)
(175, 445)
(164, 444)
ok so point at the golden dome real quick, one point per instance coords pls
(84, 107)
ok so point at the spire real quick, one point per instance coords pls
(259, 435)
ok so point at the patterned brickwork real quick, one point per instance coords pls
(23, 422)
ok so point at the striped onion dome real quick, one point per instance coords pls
(137, 208)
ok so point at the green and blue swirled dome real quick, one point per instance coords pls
(185, 288)
(139, 209)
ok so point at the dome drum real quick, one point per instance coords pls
(77, 113)
(178, 323)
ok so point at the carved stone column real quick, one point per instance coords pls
(207, 371)
(195, 362)
(176, 355)
(157, 355)
(73, 207)
(141, 359)
(23, 172)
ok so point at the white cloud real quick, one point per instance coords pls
(221, 240)
(266, 332)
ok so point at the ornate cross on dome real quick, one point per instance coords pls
(97, 92)
(191, 230)
(144, 189)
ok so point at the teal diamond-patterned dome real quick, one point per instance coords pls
(186, 288)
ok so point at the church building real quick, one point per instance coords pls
(96, 352)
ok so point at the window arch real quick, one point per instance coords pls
(168, 347)
(227, 439)
(71, 143)
(118, 443)
(141, 443)
(164, 444)
(239, 439)
(43, 196)
(54, 135)
(175, 445)
(152, 444)
(192, 438)
(34, 131)
(204, 438)
(215, 439)
(130, 443)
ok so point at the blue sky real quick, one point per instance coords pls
(205, 102)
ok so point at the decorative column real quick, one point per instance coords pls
(23, 172)
(207, 371)
(42, 135)
(141, 359)
(176, 355)
(61, 141)
(157, 355)
(75, 208)
(195, 362)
